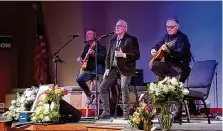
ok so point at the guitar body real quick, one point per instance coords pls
(158, 57)
(160, 53)
(83, 67)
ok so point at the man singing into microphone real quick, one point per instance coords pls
(122, 53)
(89, 72)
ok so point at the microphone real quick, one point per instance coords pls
(100, 37)
(76, 35)
(113, 32)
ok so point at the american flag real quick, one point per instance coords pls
(40, 56)
(40, 61)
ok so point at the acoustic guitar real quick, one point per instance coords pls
(84, 65)
(160, 54)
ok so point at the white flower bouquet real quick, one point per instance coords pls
(22, 103)
(167, 90)
(165, 93)
(44, 113)
(47, 109)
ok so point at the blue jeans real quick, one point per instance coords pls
(83, 78)
(86, 76)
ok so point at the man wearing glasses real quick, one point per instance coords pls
(176, 57)
(122, 53)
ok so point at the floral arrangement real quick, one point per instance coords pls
(143, 116)
(55, 94)
(47, 110)
(165, 93)
(167, 90)
(22, 103)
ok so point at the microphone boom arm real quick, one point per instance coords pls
(57, 52)
(57, 59)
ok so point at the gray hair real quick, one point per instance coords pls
(124, 23)
(173, 19)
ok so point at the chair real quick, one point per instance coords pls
(199, 82)
(92, 83)
(93, 89)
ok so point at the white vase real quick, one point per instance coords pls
(52, 106)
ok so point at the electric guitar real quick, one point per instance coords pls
(85, 61)
(160, 54)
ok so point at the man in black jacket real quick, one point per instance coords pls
(122, 53)
(177, 58)
(90, 70)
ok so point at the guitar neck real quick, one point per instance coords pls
(170, 44)
(87, 55)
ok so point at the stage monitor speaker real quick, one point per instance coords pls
(137, 80)
(69, 113)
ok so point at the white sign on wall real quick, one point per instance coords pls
(5, 42)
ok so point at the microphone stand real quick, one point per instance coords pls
(96, 82)
(96, 39)
(57, 59)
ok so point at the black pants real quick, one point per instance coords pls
(162, 69)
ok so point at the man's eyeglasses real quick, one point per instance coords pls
(120, 26)
(170, 27)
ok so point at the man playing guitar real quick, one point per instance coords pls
(88, 65)
(176, 59)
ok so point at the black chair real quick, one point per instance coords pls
(199, 83)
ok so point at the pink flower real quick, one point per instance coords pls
(66, 91)
(137, 110)
(147, 109)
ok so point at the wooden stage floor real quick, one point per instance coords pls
(115, 125)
